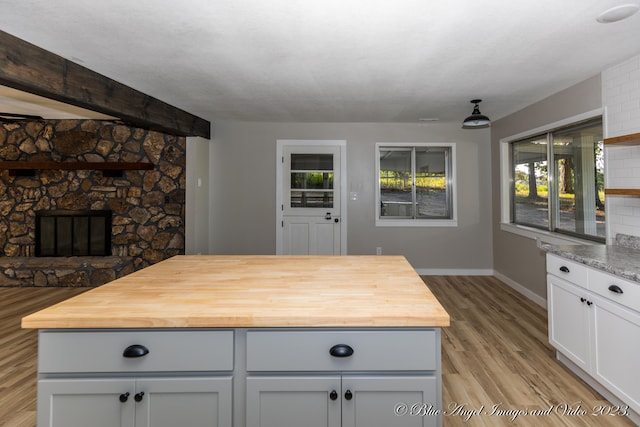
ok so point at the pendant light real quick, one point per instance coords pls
(476, 120)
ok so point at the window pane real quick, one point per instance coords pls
(396, 192)
(311, 199)
(312, 180)
(579, 168)
(431, 183)
(312, 162)
(530, 186)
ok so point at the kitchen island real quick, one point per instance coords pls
(245, 341)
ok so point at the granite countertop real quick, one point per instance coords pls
(621, 259)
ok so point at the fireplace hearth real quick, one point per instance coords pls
(73, 233)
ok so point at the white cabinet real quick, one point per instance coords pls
(569, 320)
(617, 350)
(343, 378)
(129, 378)
(595, 323)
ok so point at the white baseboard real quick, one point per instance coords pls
(542, 302)
(453, 272)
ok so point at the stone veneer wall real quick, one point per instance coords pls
(148, 206)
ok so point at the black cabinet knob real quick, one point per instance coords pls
(582, 300)
(136, 350)
(333, 395)
(138, 397)
(124, 397)
(341, 350)
(348, 395)
(589, 303)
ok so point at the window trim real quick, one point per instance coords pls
(420, 222)
(541, 236)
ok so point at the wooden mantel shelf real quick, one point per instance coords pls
(631, 139)
(22, 168)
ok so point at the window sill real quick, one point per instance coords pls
(416, 223)
(541, 236)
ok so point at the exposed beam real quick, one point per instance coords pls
(29, 68)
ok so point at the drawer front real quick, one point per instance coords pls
(103, 351)
(622, 291)
(570, 271)
(396, 350)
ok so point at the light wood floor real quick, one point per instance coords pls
(495, 352)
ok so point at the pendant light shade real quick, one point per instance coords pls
(476, 120)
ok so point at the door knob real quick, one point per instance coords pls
(138, 397)
(348, 395)
(333, 395)
(124, 397)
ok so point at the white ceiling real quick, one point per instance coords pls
(332, 60)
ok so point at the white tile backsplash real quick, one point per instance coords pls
(621, 98)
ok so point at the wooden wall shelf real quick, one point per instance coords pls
(622, 191)
(631, 139)
(112, 169)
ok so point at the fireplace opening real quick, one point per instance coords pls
(73, 233)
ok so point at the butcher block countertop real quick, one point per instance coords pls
(211, 291)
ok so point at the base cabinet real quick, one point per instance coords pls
(595, 323)
(617, 350)
(284, 377)
(570, 320)
(340, 401)
(145, 402)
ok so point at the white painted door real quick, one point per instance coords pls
(311, 198)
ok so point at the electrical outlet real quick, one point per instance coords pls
(379, 250)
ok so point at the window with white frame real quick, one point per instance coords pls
(415, 184)
(556, 180)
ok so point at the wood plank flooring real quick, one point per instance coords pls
(496, 352)
(18, 351)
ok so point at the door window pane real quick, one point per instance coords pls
(311, 183)
(530, 189)
(311, 162)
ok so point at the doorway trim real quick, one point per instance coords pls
(280, 144)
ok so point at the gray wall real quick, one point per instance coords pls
(516, 257)
(243, 180)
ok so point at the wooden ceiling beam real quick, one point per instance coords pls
(29, 68)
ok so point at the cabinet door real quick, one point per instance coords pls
(617, 346)
(193, 402)
(380, 401)
(294, 401)
(569, 320)
(85, 402)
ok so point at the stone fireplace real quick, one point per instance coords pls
(146, 206)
